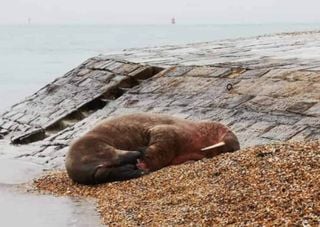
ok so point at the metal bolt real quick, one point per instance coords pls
(229, 87)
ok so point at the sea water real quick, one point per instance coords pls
(33, 55)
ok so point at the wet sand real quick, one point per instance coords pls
(18, 207)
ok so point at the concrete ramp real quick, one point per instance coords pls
(265, 95)
(71, 98)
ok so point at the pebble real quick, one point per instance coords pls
(240, 188)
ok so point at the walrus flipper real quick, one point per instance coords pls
(127, 157)
(125, 172)
(124, 168)
(162, 146)
(119, 173)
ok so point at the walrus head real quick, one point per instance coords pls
(91, 160)
(218, 139)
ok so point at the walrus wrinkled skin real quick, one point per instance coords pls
(129, 146)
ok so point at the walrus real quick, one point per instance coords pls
(130, 146)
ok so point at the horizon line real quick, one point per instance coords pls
(152, 24)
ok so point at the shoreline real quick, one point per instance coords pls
(274, 98)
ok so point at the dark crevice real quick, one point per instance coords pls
(31, 137)
(129, 82)
(112, 94)
(147, 73)
(91, 107)
(94, 105)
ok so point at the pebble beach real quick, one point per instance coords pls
(271, 185)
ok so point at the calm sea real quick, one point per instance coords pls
(33, 55)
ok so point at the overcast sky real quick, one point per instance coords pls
(158, 11)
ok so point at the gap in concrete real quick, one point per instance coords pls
(91, 107)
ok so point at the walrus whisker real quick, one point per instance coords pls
(214, 146)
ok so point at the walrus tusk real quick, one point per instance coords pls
(214, 146)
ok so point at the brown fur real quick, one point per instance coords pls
(165, 140)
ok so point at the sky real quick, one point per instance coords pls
(159, 11)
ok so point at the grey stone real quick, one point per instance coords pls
(221, 72)
(252, 74)
(300, 107)
(314, 110)
(282, 132)
(178, 71)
